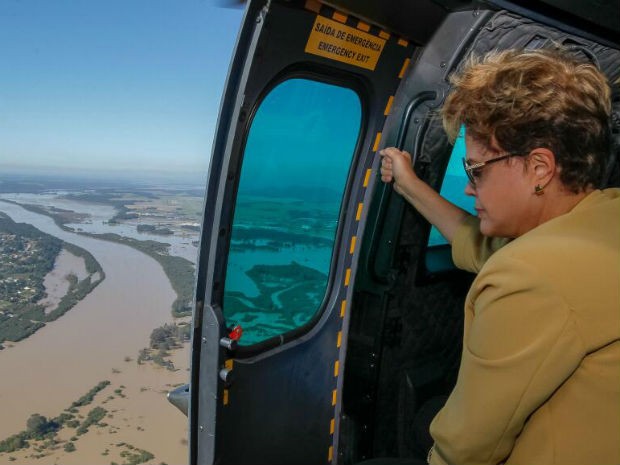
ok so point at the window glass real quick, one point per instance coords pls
(453, 186)
(295, 167)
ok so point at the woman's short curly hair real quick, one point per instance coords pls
(540, 98)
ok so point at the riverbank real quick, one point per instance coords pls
(179, 270)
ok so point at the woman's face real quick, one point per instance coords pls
(503, 191)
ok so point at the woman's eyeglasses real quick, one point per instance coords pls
(474, 171)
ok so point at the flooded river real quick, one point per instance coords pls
(181, 243)
(97, 340)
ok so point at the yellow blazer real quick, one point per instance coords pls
(539, 381)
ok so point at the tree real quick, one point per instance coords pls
(37, 424)
(13, 443)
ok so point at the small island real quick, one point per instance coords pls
(152, 229)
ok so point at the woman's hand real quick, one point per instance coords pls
(396, 167)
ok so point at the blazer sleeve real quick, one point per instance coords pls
(470, 249)
(520, 344)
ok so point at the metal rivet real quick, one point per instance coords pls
(228, 343)
(204, 340)
(442, 64)
(226, 375)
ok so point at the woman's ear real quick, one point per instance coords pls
(543, 166)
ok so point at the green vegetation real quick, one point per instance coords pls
(43, 430)
(119, 199)
(123, 213)
(136, 457)
(289, 215)
(94, 417)
(163, 339)
(38, 428)
(92, 265)
(170, 336)
(245, 239)
(133, 455)
(27, 255)
(179, 270)
(77, 291)
(60, 216)
(69, 447)
(289, 295)
(90, 395)
(149, 228)
(15, 442)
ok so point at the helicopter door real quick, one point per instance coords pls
(307, 94)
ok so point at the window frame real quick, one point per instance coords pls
(330, 76)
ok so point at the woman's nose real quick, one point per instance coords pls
(470, 189)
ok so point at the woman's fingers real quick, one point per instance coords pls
(386, 168)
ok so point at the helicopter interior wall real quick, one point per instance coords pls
(406, 326)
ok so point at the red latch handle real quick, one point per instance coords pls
(236, 333)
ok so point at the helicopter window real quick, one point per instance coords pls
(453, 186)
(297, 157)
(438, 255)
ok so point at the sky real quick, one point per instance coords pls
(117, 85)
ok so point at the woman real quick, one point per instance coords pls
(539, 381)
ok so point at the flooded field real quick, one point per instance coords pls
(99, 339)
(182, 242)
(57, 283)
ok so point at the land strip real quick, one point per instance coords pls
(27, 255)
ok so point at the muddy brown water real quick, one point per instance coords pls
(61, 362)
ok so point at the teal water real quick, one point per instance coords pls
(452, 189)
(295, 165)
(240, 263)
